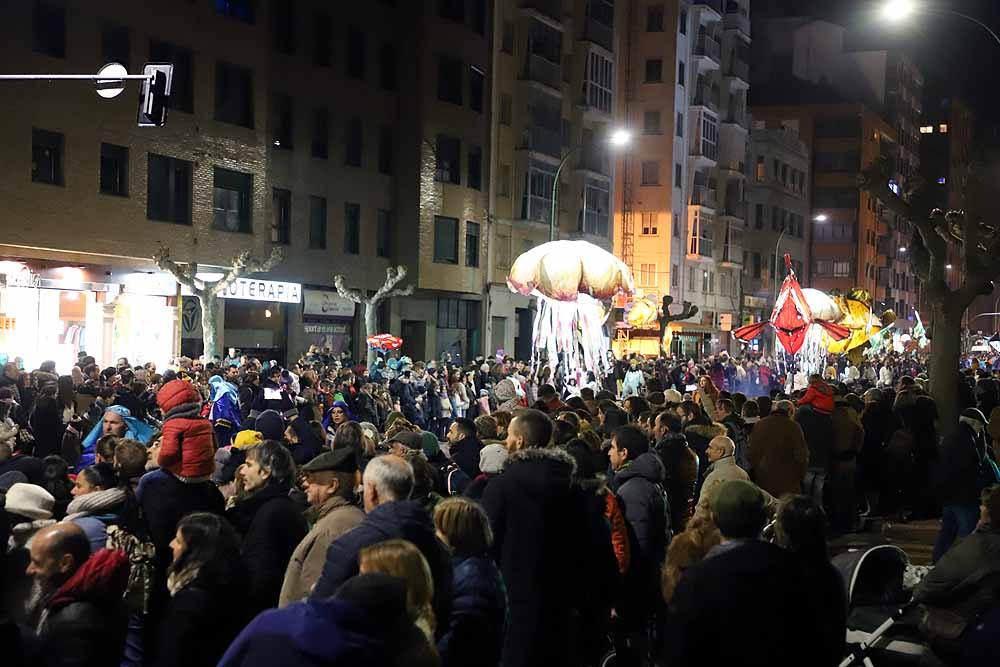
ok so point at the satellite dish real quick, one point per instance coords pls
(111, 87)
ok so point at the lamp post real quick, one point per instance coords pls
(618, 139)
(895, 11)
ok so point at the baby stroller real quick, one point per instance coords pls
(881, 621)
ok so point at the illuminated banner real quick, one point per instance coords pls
(248, 289)
(326, 304)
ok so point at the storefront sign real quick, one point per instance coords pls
(191, 318)
(325, 328)
(754, 301)
(248, 289)
(24, 278)
(324, 303)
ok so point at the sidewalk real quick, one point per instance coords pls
(915, 538)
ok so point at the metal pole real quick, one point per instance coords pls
(933, 10)
(554, 215)
(81, 77)
(775, 276)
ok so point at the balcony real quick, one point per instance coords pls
(736, 18)
(598, 33)
(737, 117)
(738, 73)
(542, 140)
(550, 11)
(542, 71)
(709, 10)
(734, 207)
(706, 52)
(595, 161)
(708, 97)
(702, 195)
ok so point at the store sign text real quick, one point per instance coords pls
(324, 303)
(263, 290)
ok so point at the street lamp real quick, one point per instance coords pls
(617, 139)
(821, 217)
(896, 11)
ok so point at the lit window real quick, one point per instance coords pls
(927, 129)
(943, 128)
(942, 180)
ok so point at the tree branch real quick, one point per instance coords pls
(349, 293)
(244, 264)
(393, 276)
(180, 273)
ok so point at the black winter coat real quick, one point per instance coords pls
(818, 431)
(404, 519)
(271, 525)
(474, 636)
(201, 622)
(955, 476)
(465, 453)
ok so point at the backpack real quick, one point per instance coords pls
(453, 479)
(667, 528)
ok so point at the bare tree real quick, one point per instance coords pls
(208, 293)
(665, 318)
(977, 246)
(393, 276)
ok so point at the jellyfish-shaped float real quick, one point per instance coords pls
(570, 280)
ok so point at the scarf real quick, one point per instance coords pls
(178, 581)
(98, 502)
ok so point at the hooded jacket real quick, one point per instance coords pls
(820, 396)
(681, 469)
(187, 449)
(474, 637)
(84, 623)
(639, 487)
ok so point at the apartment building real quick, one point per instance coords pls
(684, 78)
(778, 221)
(554, 89)
(354, 135)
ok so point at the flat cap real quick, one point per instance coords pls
(339, 460)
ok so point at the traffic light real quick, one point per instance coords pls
(154, 94)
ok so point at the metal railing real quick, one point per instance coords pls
(702, 195)
(549, 8)
(706, 96)
(599, 33)
(542, 140)
(713, 4)
(543, 71)
(739, 68)
(707, 46)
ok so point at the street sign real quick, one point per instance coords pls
(154, 94)
(113, 84)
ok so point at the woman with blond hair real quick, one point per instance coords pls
(399, 558)
(475, 633)
(687, 550)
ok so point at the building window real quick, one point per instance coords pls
(675, 276)
(760, 171)
(707, 280)
(317, 223)
(651, 173)
(48, 30)
(709, 136)
(114, 170)
(755, 265)
(46, 157)
(168, 196)
(683, 22)
(387, 67)
(472, 244)
(283, 26)
(115, 44)
(448, 163)
(649, 223)
(383, 233)
(701, 233)
(678, 175)
(477, 86)
(647, 275)
(321, 40)
(651, 122)
(282, 126)
(234, 94)
(353, 142)
(445, 240)
(241, 10)
(536, 203)
(676, 225)
(600, 82)
(385, 150)
(182, 82)
(595, 215)
(654, 18)
(680, 73)
(503, 180)
(232, 201)
(475, 166)
(320, 145)
(926, 129)
(449, 83)
(505, 108)
(758, 216)
(943, 128)
(352, 228)
(356, 54)
(281, 216)
(841, 269)
(680, 124)
(654, 70)
(691, 280)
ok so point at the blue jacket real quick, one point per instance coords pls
(404, 519)
(475, 632)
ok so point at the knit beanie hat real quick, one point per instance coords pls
(30, 501)
(429, 443)
(492, 458)
(271, 425)
(247, 439)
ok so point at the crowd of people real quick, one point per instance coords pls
(237, 513)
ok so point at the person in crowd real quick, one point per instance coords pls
(208, 594)
(699, 429)
(270, 523)
(778, 452)
(707, 396)
(543, 544)
(475, 632)
(97, 502)
(116, 421)
(848, 439)
(686, 550)
(400, 558)
(492, 459)
(754, 589)
(813, 416)
(465, 446)
(736, 429)
(187, 446)
(722, 468)
(27, 509)
(329, 482)
(17, 454)
(681, 466)
(83, 618)
(387, 484)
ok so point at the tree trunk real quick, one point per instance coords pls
(209, 313)
(371, 328)
(946, 348)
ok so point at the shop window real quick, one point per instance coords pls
(475, 168)
(46, 157)
(445, 240)
(317, 223)
(383, 233)
(168, 197)
(281, 216)
(282, 127)
(182, 82)
(449, 82)
(356, 45)
(48, 29)
(472, 244)
(457, 314)
(320, 146)
(241, 10)
(477, 86)
(321, 40)
(387, 67)
(448, 154)
(283, 26)
(114, 170)
(353, 142)
(234, 94)
(385, 150)
(232, 201)
(352, 228)
(115, 44)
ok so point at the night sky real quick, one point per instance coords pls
(956, 56)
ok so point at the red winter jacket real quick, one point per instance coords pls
(188, 447)
(820, 396)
